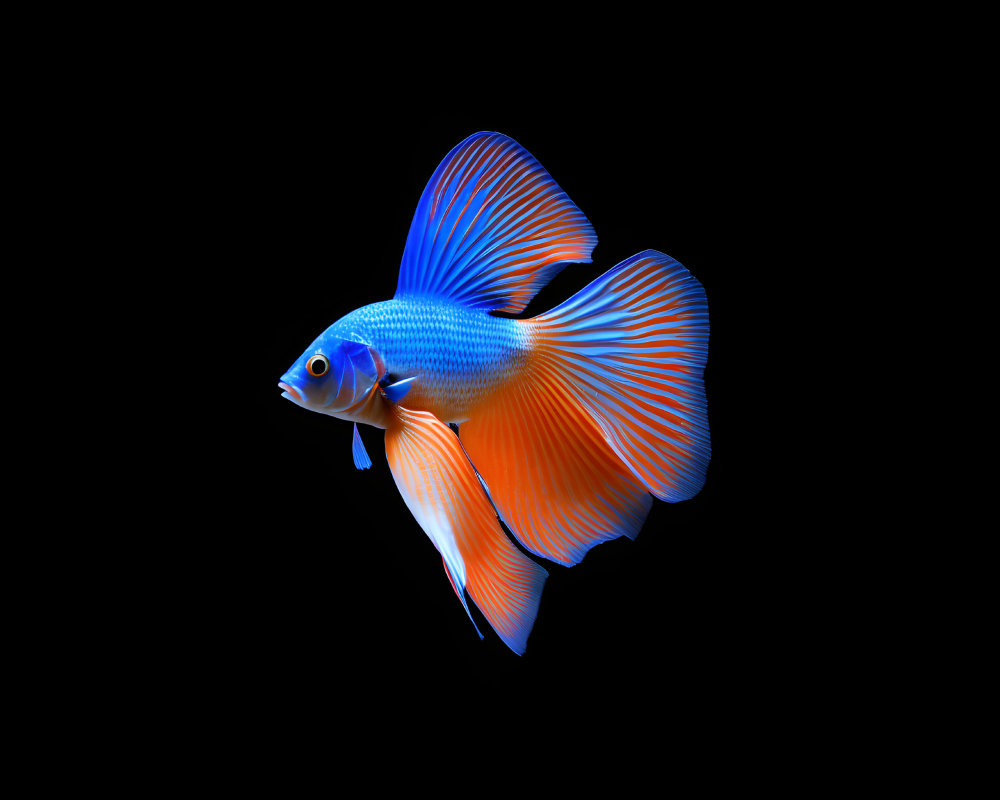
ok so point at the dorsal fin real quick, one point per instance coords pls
(491, 228)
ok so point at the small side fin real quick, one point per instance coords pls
(398, 390)
(361, 459)
(442, 491)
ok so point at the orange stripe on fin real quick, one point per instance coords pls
(552, 476)
(443, 492)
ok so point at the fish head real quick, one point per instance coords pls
(332, 375)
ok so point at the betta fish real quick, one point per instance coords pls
(564, 426)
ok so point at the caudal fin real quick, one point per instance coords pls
(632, 348)
(610, 408)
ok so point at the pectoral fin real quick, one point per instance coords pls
(398, 390)
(443, 492)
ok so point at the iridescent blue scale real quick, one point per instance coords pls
(458, 355)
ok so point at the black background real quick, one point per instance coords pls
(306, 568)
(231, 580)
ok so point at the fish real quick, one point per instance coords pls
(563, 427)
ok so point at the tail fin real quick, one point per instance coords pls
(610, 408)
(633, 346)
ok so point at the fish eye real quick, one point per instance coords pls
(317, 365)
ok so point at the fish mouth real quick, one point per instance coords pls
(290, 392)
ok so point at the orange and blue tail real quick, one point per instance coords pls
(634, 344)
(611, 409)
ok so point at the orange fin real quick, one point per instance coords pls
(443, 492)
(551, 474)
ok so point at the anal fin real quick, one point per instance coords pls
(444, 494)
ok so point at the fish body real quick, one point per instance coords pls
(459, 356)
(569, 423)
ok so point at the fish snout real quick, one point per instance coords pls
(290, 392)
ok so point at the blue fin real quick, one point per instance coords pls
(491, 228)
(398, 390)
(361, 459)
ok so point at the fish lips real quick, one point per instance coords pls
(291, 393)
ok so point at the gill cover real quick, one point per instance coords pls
(354, 369)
